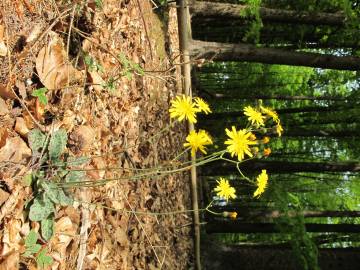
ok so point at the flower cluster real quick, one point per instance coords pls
(183, 107)
(240, 143)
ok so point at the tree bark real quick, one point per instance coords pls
(226, 168)
(250, 53)
(237, 226)
(225, 11)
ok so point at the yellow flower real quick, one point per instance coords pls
(239, 142)
(261, 182)
(182, 107)
(202, 105)
(267, 152)
(265, 140)
(270, 113)
(255, 117)
(252, 137)
(279, 129)
(224, 190)
(197, 140)
(233, 215)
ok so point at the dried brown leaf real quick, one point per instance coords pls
(3, 107)
(6, 92)
(11, 261)
(20, 127)
(15, 150)
(53, 67)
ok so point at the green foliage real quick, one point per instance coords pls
(34, 249)
(47, 192)
(129, 67)
(41, 95)
(31, 247)
(252, 11)
(99, 3)
(57, 144)
(42, 259)
(91, 63)
(47, 227)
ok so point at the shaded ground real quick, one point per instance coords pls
(110, 91)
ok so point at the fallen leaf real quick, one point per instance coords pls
(96, 80)
(15, 150)
(3, 48)
(3, 136)
(22, 89)
(53, 67)
(11, 261)
(82, 139)
(3, 107)
(6, 92)
(20, 127)
(3, 196)
(34, 34)
(39, 110)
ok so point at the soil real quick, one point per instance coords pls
(110, 68)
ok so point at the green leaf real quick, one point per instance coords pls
(41, 95)
(77, 161)
(27, 180)
(55, 193)
(47, 227)
(30, 244)
(57, 144)
(31, 239)
(43, 260)
(36, 140)
(74, 176)
(41, 209)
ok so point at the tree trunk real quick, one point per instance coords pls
(237, 226)
(250, 53)
(226, 168)
(272, 257)
(222, 11)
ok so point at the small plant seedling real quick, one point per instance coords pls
(47, 193)
(32, 249)
(129, 67)
(92, 64)
(41, 95)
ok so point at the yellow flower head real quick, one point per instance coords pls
(267, 152)
(202, 105)
(182, 107)
(233, 215)
(265, 140)
(239, 142)
(197, 140)
(261, 182)
(252, 137)
(269, 112)
(255, 117)
(224, 190)
(279, 129)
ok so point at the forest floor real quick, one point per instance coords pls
(110, 69)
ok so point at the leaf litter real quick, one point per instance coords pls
(108, 84)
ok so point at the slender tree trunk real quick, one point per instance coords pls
(250, 53)
(221, 11)
(237, 226)
(226, 168)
